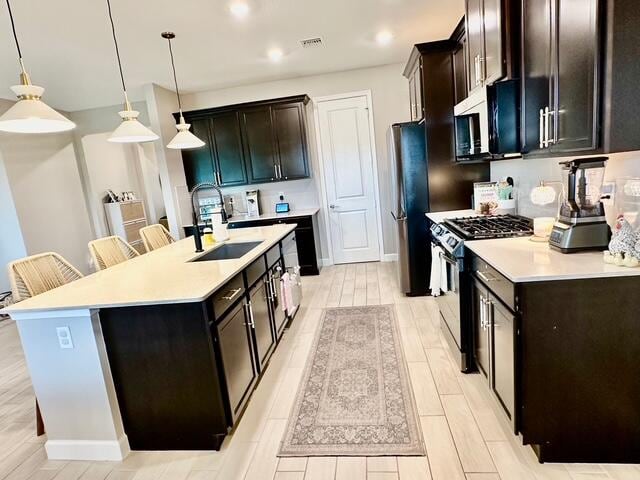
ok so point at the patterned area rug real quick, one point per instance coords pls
(355, 397)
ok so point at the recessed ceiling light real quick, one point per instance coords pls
(384, 37)
(275, 54)
(239, 9)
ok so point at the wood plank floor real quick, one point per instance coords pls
(466, 436)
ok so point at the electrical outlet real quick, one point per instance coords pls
(64, 337)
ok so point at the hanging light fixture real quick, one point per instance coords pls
(130, 130)
(184, 139)
(30, 114)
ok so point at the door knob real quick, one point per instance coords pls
(332, 206)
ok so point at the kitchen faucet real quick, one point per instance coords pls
(196, 228)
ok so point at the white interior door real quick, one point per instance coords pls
(345, 139)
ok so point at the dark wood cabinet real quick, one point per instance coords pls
(460, 77)
(260, 152)
(306, 236)
(226, 144)
(290, 140)
(257, 142)
(198, 162)
(485, 26)
(260, 321)
(560, 75)
(482, 340)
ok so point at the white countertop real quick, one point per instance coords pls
(307, 212)
(521, 260)
(163, 276)
(439, 217)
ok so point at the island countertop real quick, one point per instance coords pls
(521, 260)
(164, 276)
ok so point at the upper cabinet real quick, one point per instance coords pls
(258, 142)
(416, 102)
(561, 75)
(484, 32)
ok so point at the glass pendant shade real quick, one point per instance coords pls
(184, 139)
(31, 115)
(543, 195)
(131, 130)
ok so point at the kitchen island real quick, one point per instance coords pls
(556, 336)
(161, 352)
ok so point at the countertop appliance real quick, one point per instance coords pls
(253, 205)
(487, 123)
(456, 303)
(581, 221)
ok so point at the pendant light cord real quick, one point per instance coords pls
(15, 35)
(175, 78)
(115, 42)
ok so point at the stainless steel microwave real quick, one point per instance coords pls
(487, 123)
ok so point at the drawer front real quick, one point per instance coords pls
(255, 271)
(503, 288)
(132, 230)
(228, 295)
(132, 211)
(273, 255)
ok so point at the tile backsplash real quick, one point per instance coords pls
(528, 173)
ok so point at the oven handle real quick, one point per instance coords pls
(448, 260)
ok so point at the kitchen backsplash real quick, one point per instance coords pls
(300, 194)
(528, 173)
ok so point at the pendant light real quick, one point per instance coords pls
(130, 130)
(30, 114)
(184, 139)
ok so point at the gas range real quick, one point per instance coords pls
(452, 233)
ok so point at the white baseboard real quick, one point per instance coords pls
(98, 450)
(390, 257)
(325, 262)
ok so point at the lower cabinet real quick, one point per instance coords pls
(494, 344)
(260, 322)
(235, 338)
(279, 316)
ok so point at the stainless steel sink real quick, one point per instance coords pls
(228, 251)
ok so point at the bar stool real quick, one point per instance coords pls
(109, 251)
(37, 274)
(155, 236)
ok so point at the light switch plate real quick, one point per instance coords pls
(64, 337)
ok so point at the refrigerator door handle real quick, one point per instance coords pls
(401, 217)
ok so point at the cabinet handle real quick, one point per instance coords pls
(477, 69)
(482, 68)
(279, 172)
(486, 278)
(275, 170)
(550, 115)
(542, 145)
(252, 323)
(231, 294)
(219, 179)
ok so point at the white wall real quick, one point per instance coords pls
(390, 104)
(527, 174)
(45, 185)
(11, 241)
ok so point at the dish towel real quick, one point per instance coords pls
(438, 280)
(286, 294)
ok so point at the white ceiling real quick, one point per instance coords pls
(68, 49)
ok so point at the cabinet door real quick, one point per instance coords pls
(576, 54)
(227, 146)
(261, 323)
(460, 72)
(417, 76)
(259, 148)
(475, 42)
(482, 345)
(503, 356)
(279, 317)
(199, 162)
(412, 97)
(492, 30)
(291, 141)
(536, 69)
(237, 357)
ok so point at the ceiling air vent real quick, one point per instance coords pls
(311, 42)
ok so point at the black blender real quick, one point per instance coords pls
(581, 223)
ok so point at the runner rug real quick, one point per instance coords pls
(355, 397)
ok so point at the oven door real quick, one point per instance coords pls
(449, 301)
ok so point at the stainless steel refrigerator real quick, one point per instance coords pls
(410, 197)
